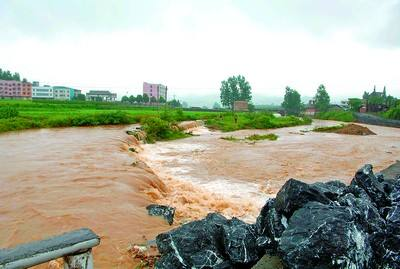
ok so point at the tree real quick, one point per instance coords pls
(322, 99)
(292, 102)
(125, 99)
(355, 104)
(80, 97)
(146, 98)
(174, 103)
(234, 89)
(216, 106)
(132, 99)
(162, 100)
(139, 99)
(153, 99)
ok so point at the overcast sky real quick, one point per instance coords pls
(192, 46)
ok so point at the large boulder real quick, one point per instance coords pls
(294, 194)
(198, 244)
(270, 223)
(324, 236)
(240, 241)
(366, 180)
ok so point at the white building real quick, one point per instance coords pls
(62, 93)
(42, 92)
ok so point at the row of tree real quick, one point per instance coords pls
(7, 75)
(142, 99)
(293, 105)
(145, 99)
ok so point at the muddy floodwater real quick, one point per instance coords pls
(56, 180)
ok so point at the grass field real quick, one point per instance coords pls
(47, 114)
(19, 115)
(346, 116)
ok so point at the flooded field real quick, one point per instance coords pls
(55, 180)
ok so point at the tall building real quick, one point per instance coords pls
(101, 96)
(15, 89)
(42, 92)
(155, 90)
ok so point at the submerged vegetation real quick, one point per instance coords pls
(327, 129)
(157, 129)
(257, 137)
(338, 115)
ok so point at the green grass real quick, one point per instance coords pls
(327, 129)
(258, 120)
(157, 129)
(26, 114)
(346, 116)
(257, 137)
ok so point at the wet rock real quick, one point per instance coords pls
(198, 244)
(240, 241)
(363, 212)
(366, 180)
(331, 189)
(162, 210)
(294, 194)
(324, 236)
(270, 223)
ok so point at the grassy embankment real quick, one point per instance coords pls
(346, 116)
(18, 115)
(158, 122)
(393, 113)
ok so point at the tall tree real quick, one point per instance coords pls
(355, 104)
(153, 99)
(234, 89)
(125, 99)
(292, 102)
(139, 98)
(162, 100)
(146, 98)
(132, 99)
(322, 99)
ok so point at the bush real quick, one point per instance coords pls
(159, 129)
(393, 113)
(8, 112)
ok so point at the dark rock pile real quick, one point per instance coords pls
(321, 225)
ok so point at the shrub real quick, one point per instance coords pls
(158, 129)
(8, 112)
(393, 113)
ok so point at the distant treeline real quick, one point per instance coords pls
(7, 75)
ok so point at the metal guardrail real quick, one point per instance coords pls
(75, 247)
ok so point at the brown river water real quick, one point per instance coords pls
(56, 180)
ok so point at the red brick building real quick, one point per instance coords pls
(13, 89)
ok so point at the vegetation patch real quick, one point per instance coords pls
(328, 129)
(230, 138)
(338, 115)
(393, 113)
(157, 129)
(257, 137)
(8, 112)
(227, 122)
(350, 129)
